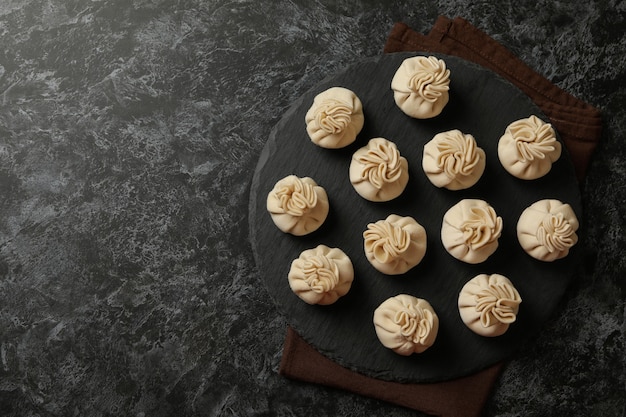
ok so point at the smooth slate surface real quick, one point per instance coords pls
(129, 131)
(482, 104)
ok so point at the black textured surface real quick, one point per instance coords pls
(482, 104)
(129, 131)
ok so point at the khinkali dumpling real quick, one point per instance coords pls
(395, 245)
(335, 118)
(420, 86)
(470, 230)
(297, 205)
(488, 304)
(453, 160)
(406, 324)
(321, 275)
(547, 230)
(528, 148)
(378, 172)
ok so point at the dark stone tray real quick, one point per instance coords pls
(481, 103)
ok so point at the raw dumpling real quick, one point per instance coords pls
(420, 86)
(453, 160)
(488, 304)
(321, 275)
(335, 118)
(547, 230)
(470, 230)
(395, 245)
(378, 172)
(528, 148)
(297, 205)
(406, 324)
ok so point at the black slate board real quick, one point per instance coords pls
(481, 103)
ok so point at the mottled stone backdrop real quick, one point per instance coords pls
(129, 131)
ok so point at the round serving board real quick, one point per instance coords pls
(482, 104)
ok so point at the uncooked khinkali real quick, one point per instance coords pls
(406, 324)
(453, 160)
(488, 304)
(297, 205)
(335, 118)
(321, 275)
(395, 245)
(547, 230)
(528, 148)
(420, 86)
(378, 172)
(470, 230)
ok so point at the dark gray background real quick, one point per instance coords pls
(128, 135)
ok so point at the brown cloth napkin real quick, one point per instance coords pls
(579, 125)
(463, 397)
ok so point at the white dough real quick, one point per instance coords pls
(378, 172)
(406, 324)
(297, 205)
(321, 275)
(528, 148)
(488, 304)
(420, 86)
(335, 118)
(395, 245)
(546, 230)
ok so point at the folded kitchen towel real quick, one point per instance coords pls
(579, 125)
(462, 397)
